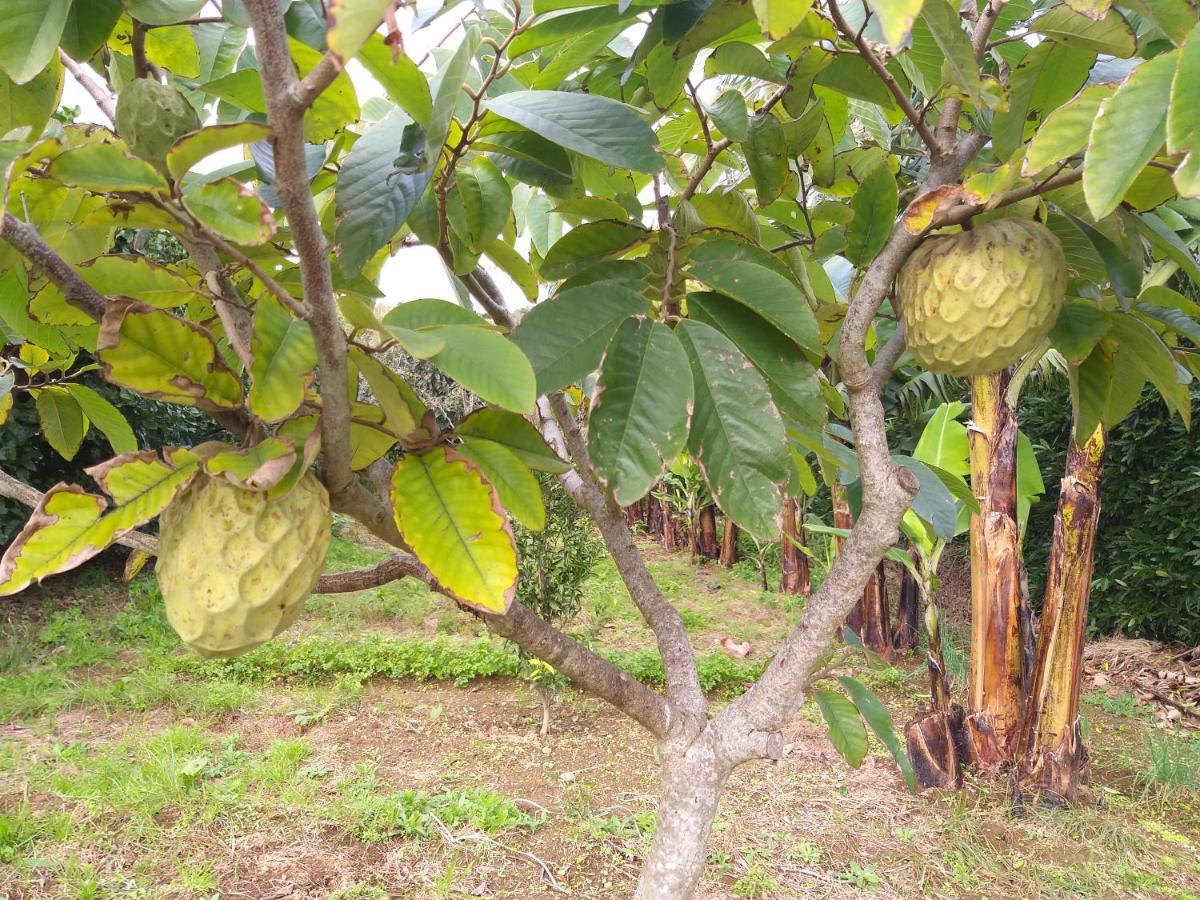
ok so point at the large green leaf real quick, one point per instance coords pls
(1183, 116)
(876, 715)
(335, 107)
(1154, 360)
(1110, 34)
(586, 123)
(486, 201)
(404, 82)
(896, 18)
(520, 494)
(105, 167)
(192, 148)
(1129, 130)
(105, 416)
(1048, 75)
(164, 357)
(372, 198)
(944, 442)
(516, 434)
(736, 434)
(639, 418)
(766, 157)
(777, 18)
(284, 355)
(589, 243)
(946, 26)
(351, 22)
(846, 730)
(30, 36)
(163, 12)
(792, 381)
(564, 337)
(62, 421)
(772, 296)
(1079, 327)
(487, 364)
(232, 210)
(30, 105)
(453, 520)
(138, 278)
(446, 90)
(68, 527)
(1065, 131)
(88, 26)
(874, 204)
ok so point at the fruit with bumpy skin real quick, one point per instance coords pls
(153, 116)
(977, 301)
(235, 566)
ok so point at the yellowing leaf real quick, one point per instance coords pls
(193, 147)
(232, 210)
(351, 22)
(105, 167)
(283, 357)
(453, 520)
(896, 18)
(255, 468)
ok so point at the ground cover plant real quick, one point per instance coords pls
(729, 215)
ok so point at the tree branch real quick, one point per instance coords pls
(960, 214)
(886, 358)
(285, 113)
(26, 240)
(319, 77)
(103, 97)
(902, 100)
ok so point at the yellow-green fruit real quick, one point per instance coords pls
(235, 567)
(976, 302)
(153, 116)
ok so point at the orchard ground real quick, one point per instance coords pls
(384, 747)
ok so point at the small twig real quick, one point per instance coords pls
(104, 98)
(138, 45)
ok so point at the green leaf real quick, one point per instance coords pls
(564, 337)
(372, 198)
(766, 292)
(1110, 34)
(766, 157)
(850, 75)
(516, 434)
(946, 26)
(514, 265)
(1129, 130)
(1166, 241)
(335, 107)
(737, 435)
(105, 167)
(104, 416)
(1174, 320)
(283, 356)
(404, 413)
(790, 378)
(447, 88)
(874, 204)
(30, 36)
(88, 26)
(876, 715)
(639, 417)
(68, 527)
(519, 491)
(351, 22)
(62, 421)
(728, 113)
(404, 82)
(944, 441)
(705, 22)
(777, 18)
(1079, 327)
(30, 104)
(1029, 479)
(486, 201)
(1049, 74)
(1154, 360)
(164, 357)
(1125, 274)
(846, 730)
(1091, 385)
(1176, 18)
(257, 468)
(934, 502)
(192, 148)
(138, 278)
(1183, 116)
(589, 243)
(452, 518)
(896, 19)
(369, 439)
(419, 315)
(232, 210)
(586, 123)
(163, 12)
(1065, 131)
(487, 364)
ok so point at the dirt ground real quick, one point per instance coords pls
(129, 770)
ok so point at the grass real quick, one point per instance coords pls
(385, 747)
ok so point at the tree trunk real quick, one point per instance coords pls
(1054, 761)
(794, 575)
(691, 787)
(707, 542)
(907, 611)
(672, 533)
(729, 549)
(633, 513)
(654, 513)
(994, 695)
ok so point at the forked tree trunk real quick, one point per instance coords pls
(869, 619)
(729, 549)
(794, 575)
(904, 636)
(706, 539)
(1054, 763)
(994, 695)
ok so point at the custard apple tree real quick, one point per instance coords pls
(667, 228)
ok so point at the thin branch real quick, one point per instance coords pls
(902, 100)
(285, 112)
(29, 243)
(886, 358)
(235, 317)
(318, 78)
(693, 184)
(960, 214)
(103, 97)
(662, 205)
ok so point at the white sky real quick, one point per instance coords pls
(412, 272)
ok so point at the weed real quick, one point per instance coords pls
(20, 830)
(806, 853)
(862, 877)
(1123, 705)
(373, 817)
(1174, 761)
